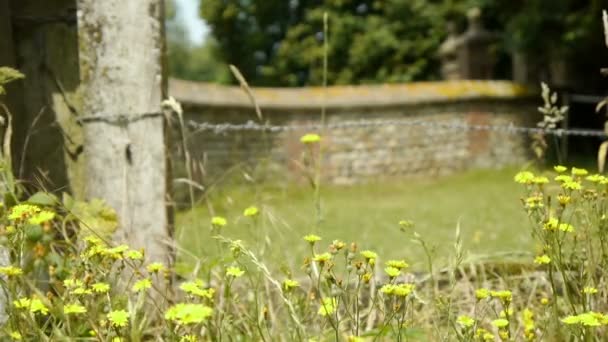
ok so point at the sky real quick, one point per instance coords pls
(187, 10)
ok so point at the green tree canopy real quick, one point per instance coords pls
(280, 42)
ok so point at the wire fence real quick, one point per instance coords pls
(224, 128)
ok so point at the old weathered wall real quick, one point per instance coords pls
(355, 154)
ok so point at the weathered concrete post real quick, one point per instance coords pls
(120, 45)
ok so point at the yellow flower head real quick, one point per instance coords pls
(251, 211)
(539, 180)
(322, 258)
(74, 309)
(22, 211)
(595, 178)
(218, 221)
(100, 287)
(563, 178)
(572, 185)
(196, 288)
(524, 177)
(369, 255)
(118, 318)
(403, 290)
(34, 305)
(11, 271)
(500, 323)
(134, 255)
(504, 295)
(465, 321)
(183, 313)
(42, 217)
(398, 264)
(392, 272)
(142, 285)
(589, 290)
(482, 293)
(155, 267)
(234, 271)
(542, 260)
(289, 284)
(560, 168)
(579, 172)
(310, 138)
(312, 238)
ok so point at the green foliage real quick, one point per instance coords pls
(280, 42)
(277, 42)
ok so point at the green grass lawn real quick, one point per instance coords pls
(486, 205)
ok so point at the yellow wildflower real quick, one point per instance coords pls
(251, 211)
(310, 138)
(218, 221)
(155, 267)
(11, 271)
(465, 321)
(579, 172)
(234, 271)
(524, 177)
(392, 272)
(500, 323)
(289, 284)
(100, 287)
(560, 168)
(74, 309)
(312, 238)
(183, 313)
(118, 318)
(398, 264)
(542, 260)
(142, 285)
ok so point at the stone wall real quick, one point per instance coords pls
(356, 154)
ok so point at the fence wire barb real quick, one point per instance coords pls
(223, 128)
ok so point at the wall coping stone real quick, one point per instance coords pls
(212, 95)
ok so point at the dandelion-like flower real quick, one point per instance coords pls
(589, 290)
(503, 295)
(34, 305)
(187, 313)
(142, 285)
(524, 177)
(251, 211)
(579, 172)
(218, 221)
(542, 260)
(500, 323)
(392, 272)
(100, 287)
(539, 180)
(560, 168)
(369, 255)
(118, 318)
(11, 271)
(155, 267)
(22, 211)
(196, 288)
(398, 264)
(322, 258)
(482, 293)
(41, 217)
(74, 309)
(188, 338)
(234, 271)
(310, 138)
(563, 178)
(565, 227)
(572, 185)
(312, 238)
(134, 255)
(465, 321)
(290, 284)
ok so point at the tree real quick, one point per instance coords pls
(277, 42)
(121, 46)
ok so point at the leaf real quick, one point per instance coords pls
(601, 156)
(43, 199)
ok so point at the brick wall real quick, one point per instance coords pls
(362, 153)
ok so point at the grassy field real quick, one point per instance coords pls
(486, 205)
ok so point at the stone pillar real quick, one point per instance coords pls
(475, 50)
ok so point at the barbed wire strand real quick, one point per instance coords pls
(224, 128)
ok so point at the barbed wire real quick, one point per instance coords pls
(224, 128)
